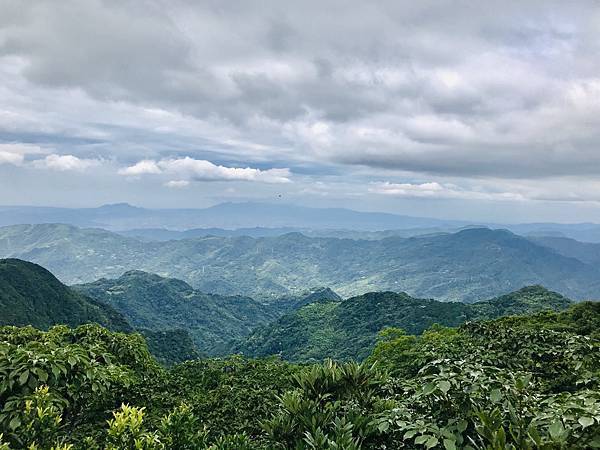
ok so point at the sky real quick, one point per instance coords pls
(452, 109)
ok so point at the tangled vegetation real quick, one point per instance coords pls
(527, 382)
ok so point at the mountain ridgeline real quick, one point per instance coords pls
(31, 296)
(464, 266)
(348, 329)
(156, 303)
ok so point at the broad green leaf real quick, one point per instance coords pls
(24, 377)
(432, 442)
(449, 444)
(444, 386)
(586, 421)
(495, 395)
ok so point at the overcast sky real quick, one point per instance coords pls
(459, 109)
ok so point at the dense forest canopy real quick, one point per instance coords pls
(526, 382)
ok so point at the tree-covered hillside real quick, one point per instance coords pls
(30, 295)
(521, 382)
(348, 329)
(156, 303)
(464, 266)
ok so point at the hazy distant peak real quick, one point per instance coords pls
(119, 206)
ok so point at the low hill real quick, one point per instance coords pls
(156, 303)
(30, 295)
(348, 329)
(468, 265)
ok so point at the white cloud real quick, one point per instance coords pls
(201, 170)
(439, 191)
(177, 184)
(15, 153)
(11, 158)
(143, 167)
(65, 163)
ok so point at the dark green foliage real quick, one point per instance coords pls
(155, 304)
(348, 329)
(232, 395)
(170, 346)
(151, 302)
(30, 295)
(332, 406)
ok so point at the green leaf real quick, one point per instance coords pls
(410, 434)
(586, 421)
(449, 444)
(495, 395)
(42, 375)
(556, 430)
(383, 427)
(24, 377)
(444, 386)
(432, 442)
(14, 423)
(428, 388)
(422, 439)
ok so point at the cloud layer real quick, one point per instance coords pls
(451, 100)
(202, 170)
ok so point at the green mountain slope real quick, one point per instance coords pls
(349, 329)
(464, 266)
(30, 295)
(155, 303)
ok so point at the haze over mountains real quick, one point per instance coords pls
(267, 219)
(464, 266)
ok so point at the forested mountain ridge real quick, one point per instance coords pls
(348, 329)
(152, 302)
(463, 266)
(31, 295)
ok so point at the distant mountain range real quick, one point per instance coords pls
(463, 266)
(267, 219)
(348, 329)
(123, 216)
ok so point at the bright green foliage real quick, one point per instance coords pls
(333, 406)
(348, 329)
(530, 382)
(182, 430)
(125, 431)
(85, 370)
